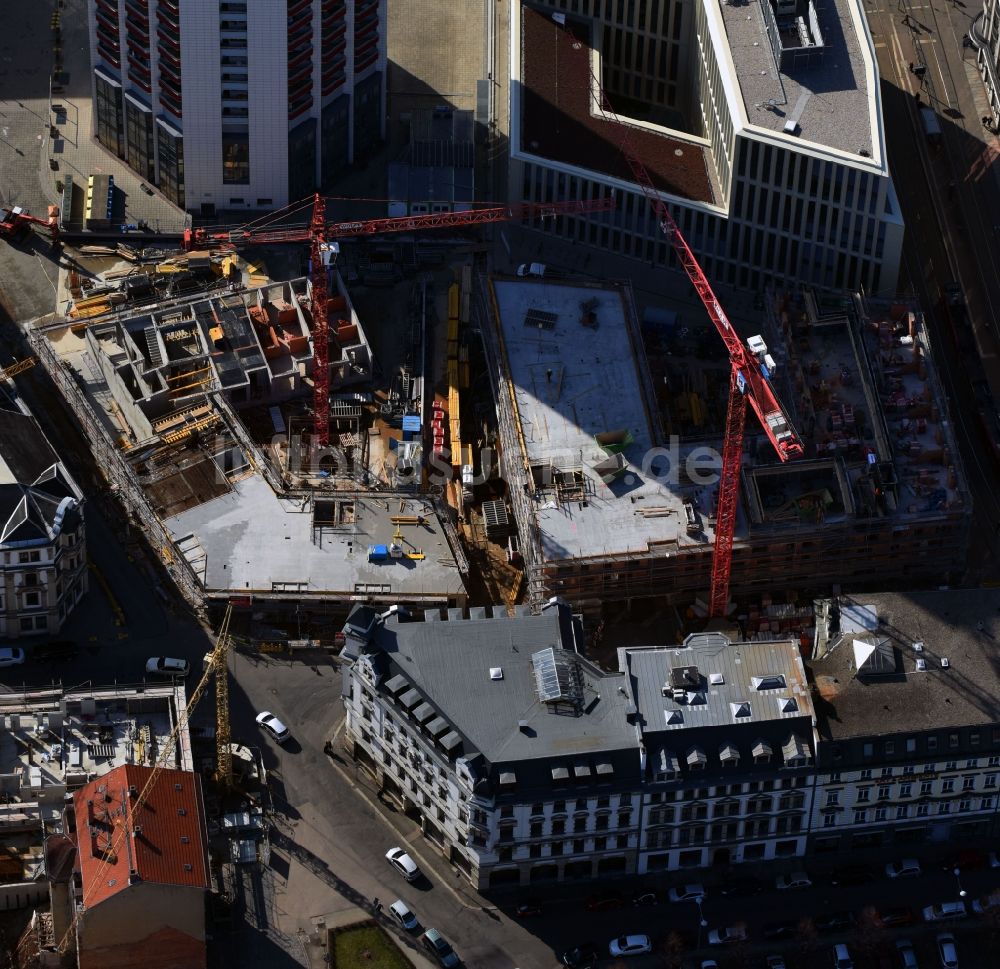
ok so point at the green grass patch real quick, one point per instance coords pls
(365, 946)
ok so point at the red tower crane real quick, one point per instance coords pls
(748, 382)
(319, 233)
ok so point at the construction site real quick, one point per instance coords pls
(611, 435)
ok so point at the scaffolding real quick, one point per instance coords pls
(117, 471)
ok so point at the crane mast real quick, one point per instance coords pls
(321, 331)
(748, 382)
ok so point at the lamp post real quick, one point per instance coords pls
(957, 872)
(702, 923)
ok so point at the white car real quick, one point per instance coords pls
(400, 911)
(947, 951)
(797, 879)
(687, 893)
(842, 957)
(273, 726)
(907, 868)
(403, 863)
(945, 912)
(630, 945)
(166, 666)
(907, 957)
(11, 656)
(727, 936)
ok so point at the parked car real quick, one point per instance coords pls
(907, 957)
(438, 946)
(986, 903)
(167, 666)
(967, 860)
(907, 868)
(830, 922)
(11, 656)
(993, 859)
(842, 957)
(852, 875)
(645, 896)
(709, 964)
(780, 930)
(55, 650)
(687, 893)
(582, 956)
(741, 886)
(403, 863)
(797, 879)
(892, 917)
(630, 945)
(728, 935)
(945, 912)
(529, 908)
(604, 902)
(775, 962)
(273, 726)
(400, 911)
(947, 952)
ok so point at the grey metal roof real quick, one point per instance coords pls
(448, 664)
(962, 626)
(746, 695)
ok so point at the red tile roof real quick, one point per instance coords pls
(556, 122)
(162, 841)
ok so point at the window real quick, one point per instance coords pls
(905, 790)
(535, 851)
(558, 807)
(902, 812)
(624, 819)
(537, 808)
(923, 810)
(911, 745)
(579, 846)
(990, 780)
(536, 830)
(887, 772)
(986, 804)
(890, 748)
(908, 770)
(235, 159)
(932, 743)
(23, 557)
(600, 844)
(860, 817)
(866, 774)
(869, 750)
(965, 805)
(951, 765)
(944, 807)
(968, 783)
(971, 764)
(948, 786)
(880, 814)
(832, 798)
(829, 820)
(835, 778)
(507, 811)
(974, 738)
(32, 599)
(884, 792)
(864, 794)
(953, 740)
(558, 826)
(925, 788)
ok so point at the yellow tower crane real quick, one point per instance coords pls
(18, 366)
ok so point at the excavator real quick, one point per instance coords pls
(16, 223)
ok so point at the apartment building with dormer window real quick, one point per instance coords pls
(908, 717)
(43, 557)
(726, 732)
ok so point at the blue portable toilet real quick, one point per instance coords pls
(411, 426)
(378, 553)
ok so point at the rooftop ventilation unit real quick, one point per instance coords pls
(716, 679)
(522, 725)
(918, 646)
(496, 672)
(945, 662)
(921, 665)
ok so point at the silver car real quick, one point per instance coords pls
(273, 726)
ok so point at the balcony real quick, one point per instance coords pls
(169, 55)
(136, 11)
(304, 56)
(300, 77)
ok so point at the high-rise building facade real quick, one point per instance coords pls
(984, 34)
(760, 125)
(229, 104)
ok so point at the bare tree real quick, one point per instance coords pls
(672, 950)
(867, 935)
(806, 936)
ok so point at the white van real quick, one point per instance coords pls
(531, 269)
